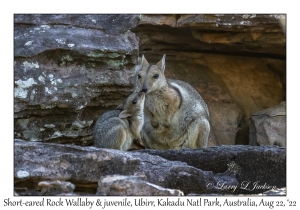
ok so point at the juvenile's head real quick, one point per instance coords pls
(134, 105)
(151, 77)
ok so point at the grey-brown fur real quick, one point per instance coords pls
(117, 129)
(176, 116)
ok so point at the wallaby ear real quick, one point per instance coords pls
(121, 106)
(161, 64)
(144, 62)
(124, 114)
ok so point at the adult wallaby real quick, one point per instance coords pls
(175, 114)
(118, 129)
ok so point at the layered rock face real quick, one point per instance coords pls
(68, 69)
(236, 62)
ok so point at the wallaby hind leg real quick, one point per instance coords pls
(203, 135)
(198, 133)
(111, 136)
(124, 143)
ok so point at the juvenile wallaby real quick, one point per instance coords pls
(175, 114)
(117, 131)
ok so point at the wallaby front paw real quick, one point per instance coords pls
(166, 124)
(137, 144)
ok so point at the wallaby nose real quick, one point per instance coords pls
(144, 90)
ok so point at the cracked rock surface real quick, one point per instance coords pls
(200, 171)
(68, 69)
(251, 165)
(116, 185)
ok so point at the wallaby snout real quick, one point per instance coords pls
(144, 90)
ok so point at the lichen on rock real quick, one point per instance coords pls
(67, 74)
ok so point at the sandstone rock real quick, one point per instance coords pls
(225, 114)
(268, 127)
(194, 32)
(113, 50)
(192, 172)
(84, 166)
(112, 24)
(117, 185)
(68, 69)
(275, 192)
(23, 191)
(251, 82)
(251, 164)
(170, 20)
(55, 187)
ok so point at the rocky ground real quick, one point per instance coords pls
(69, 69)
(44, 168)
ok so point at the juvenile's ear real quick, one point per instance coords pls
(144, 62)
(124, 114)
(161, 64)
(121, 106)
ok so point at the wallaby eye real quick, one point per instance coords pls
(139, 76)
(156, 76)
(133, 101)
